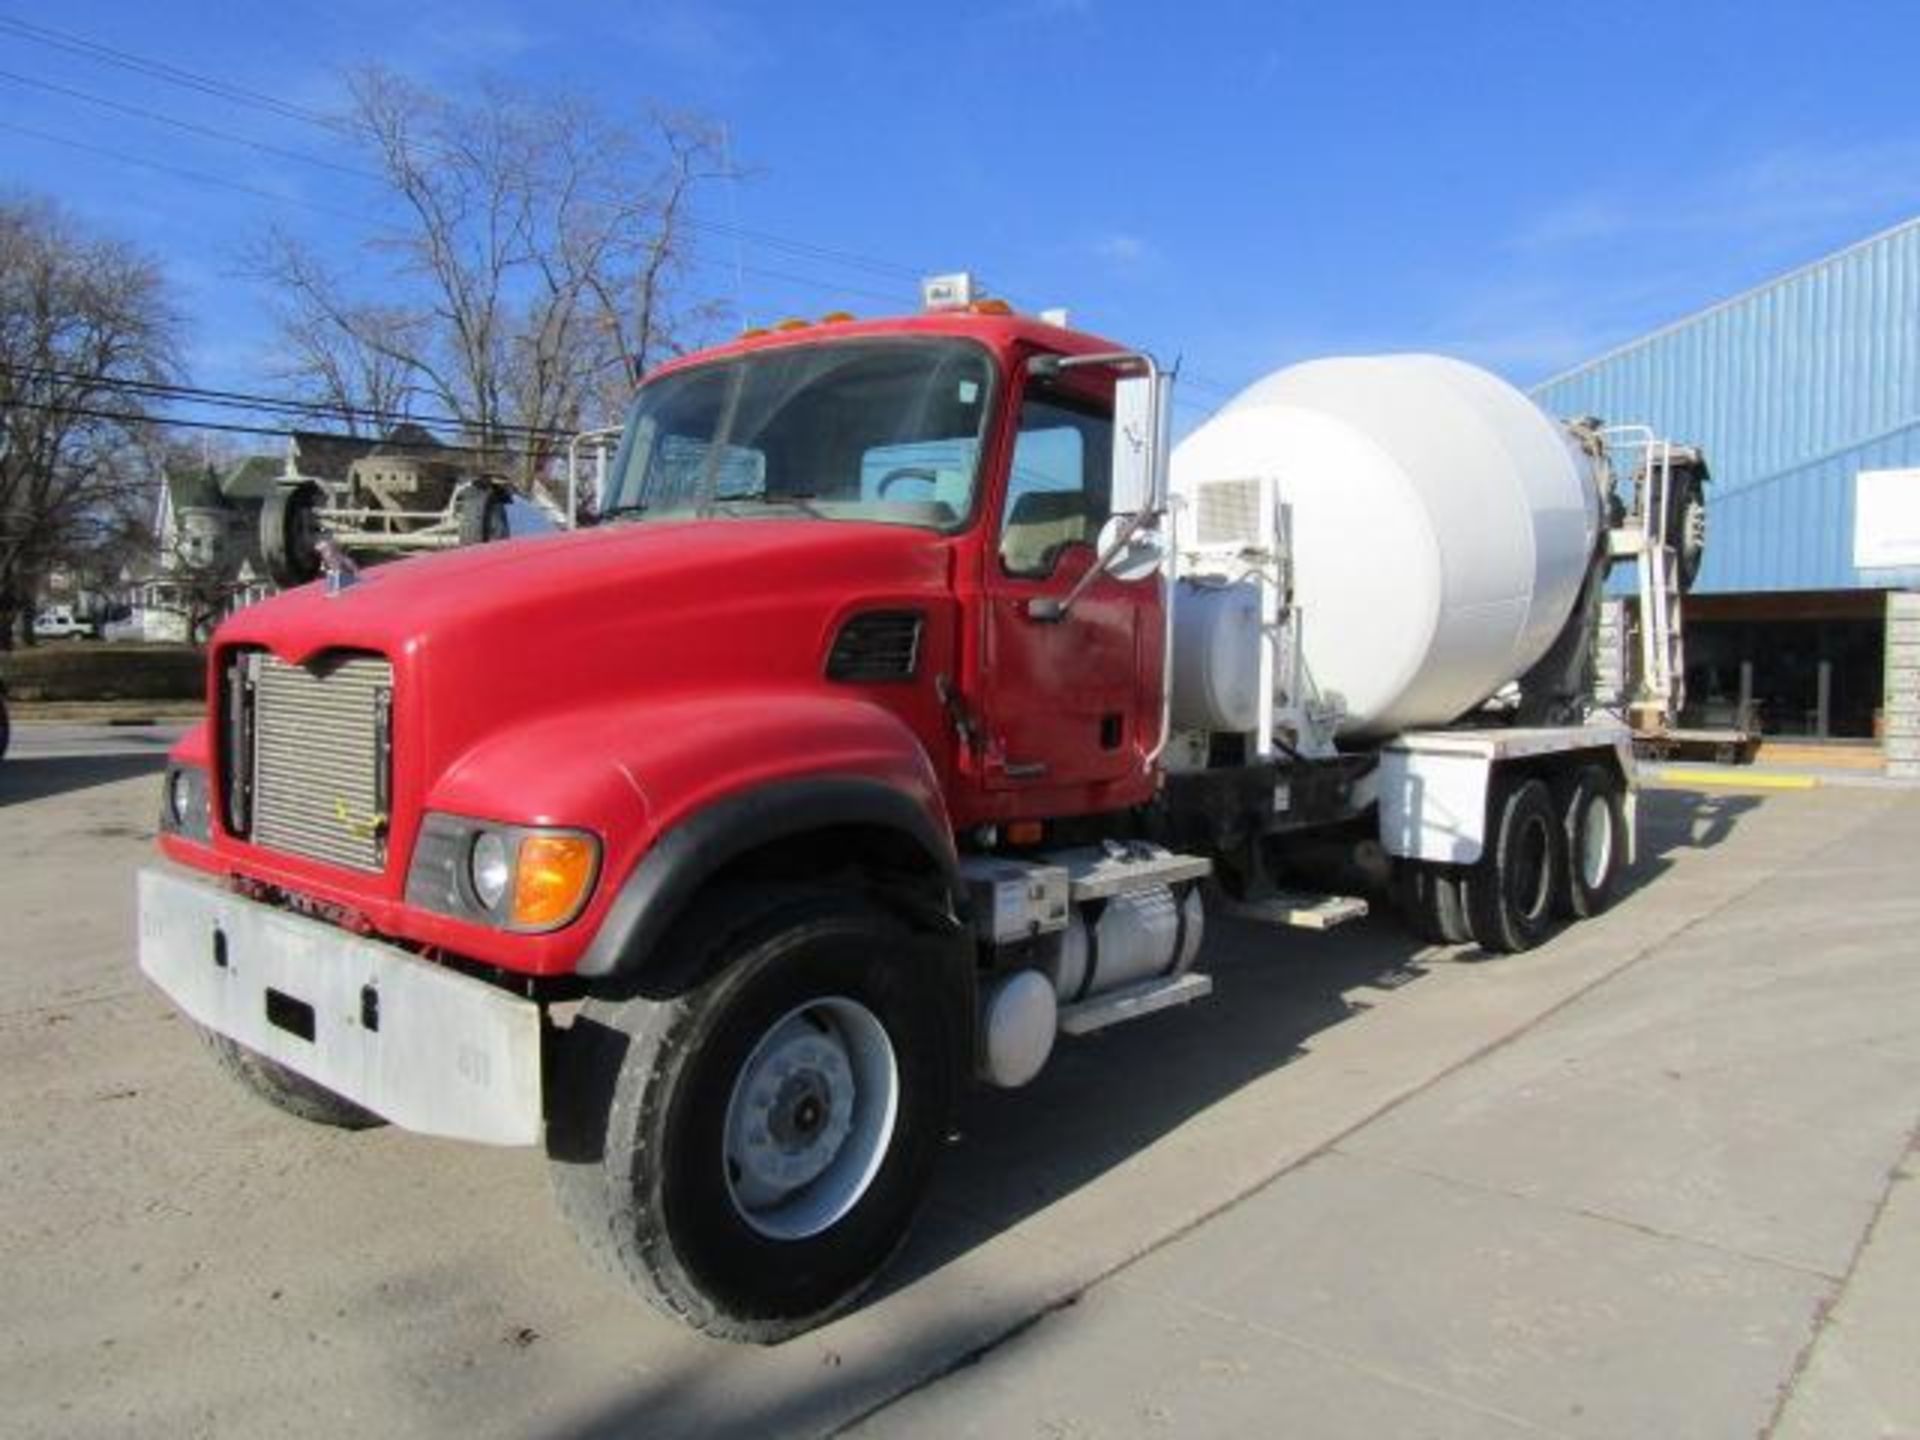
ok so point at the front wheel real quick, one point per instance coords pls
(287, 1090)
(750, 1154)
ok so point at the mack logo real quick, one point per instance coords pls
(365, 825)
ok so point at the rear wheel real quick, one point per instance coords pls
(1593, 819)
(286, 1089)
(1512, 889)
(1687, 525)
(482, 511)
(1434, 904)
(290, 534)
(750, 1154)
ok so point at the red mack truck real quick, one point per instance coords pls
(908, 709)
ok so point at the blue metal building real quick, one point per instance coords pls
(1792, 390)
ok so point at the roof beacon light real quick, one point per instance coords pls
(948, 292)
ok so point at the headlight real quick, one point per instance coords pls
(184, 808)
(518, 877)
(490, 868)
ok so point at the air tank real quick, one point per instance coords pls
(1443, 526)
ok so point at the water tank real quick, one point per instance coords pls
(1443, 525)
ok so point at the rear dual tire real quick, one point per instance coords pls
(1594, 825)
(1551, 853)
(1512, 891)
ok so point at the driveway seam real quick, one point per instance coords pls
(1824, 1314)
(1638, 1227)
(1344, 1359)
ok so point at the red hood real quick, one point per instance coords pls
(692, 570)
(481, 636)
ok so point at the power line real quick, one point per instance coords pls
(210, 132)
(199, 177)
(123, 417)
(285, 405)
(339, 127)
(160, 69)
(176, 75)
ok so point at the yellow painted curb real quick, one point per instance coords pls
(1735, 781)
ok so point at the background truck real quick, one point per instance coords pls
(906, 712)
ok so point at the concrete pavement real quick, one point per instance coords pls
(1629, 1220)
(1251, 1184)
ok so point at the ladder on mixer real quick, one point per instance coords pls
(1663, 668)
(1655, 701)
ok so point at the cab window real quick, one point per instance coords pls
(1057, 491)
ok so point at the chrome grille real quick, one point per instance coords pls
(320, 766)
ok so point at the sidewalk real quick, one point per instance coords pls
(1675, 1207)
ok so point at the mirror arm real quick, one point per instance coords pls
(1047, 608)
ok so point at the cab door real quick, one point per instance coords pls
(1074, 701)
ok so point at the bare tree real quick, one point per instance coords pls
(351, 368)
(81, 317)
(535, 248)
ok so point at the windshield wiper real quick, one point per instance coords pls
(614, 512)
(798, 499)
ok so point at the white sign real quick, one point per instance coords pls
(1886, 519)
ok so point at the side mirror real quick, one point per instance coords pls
(1130, 556)
(1141, 411)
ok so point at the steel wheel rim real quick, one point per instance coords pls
(1596, 843)
(810, 1118)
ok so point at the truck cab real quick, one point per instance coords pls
(857, 602)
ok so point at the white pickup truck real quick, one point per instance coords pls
(58, 622)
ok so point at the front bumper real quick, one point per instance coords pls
(421, 1045)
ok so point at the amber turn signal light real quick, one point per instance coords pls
(552, 879)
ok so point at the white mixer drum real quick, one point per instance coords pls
(1442, 526)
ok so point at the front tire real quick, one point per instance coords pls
(287, 1090)
(749, 1155)
(1511, 891)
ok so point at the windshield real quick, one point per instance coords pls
(885, 430)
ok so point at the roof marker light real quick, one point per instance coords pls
(948, 292)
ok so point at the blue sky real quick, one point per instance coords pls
(1239, 185)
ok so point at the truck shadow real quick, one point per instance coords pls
(1104, 1098)
(39, 777)
(1100, 1101)
(1677, 820)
